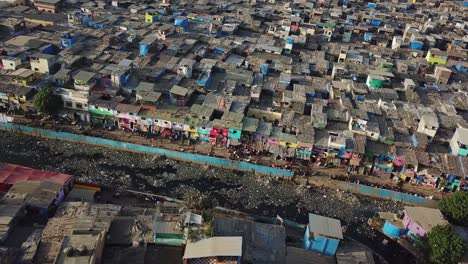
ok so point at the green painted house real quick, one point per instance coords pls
(102, 111)
(375, 81)
(168, 233)
(387, 66)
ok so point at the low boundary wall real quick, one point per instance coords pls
(202, 159)
(219, 162)
(385, 194)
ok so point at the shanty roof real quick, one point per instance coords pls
(201, 110)
(90, 240)
(148, 96)
(261, 243)
(11, 173)
(53, 2)
(8, 213)
(43, 55)
(296, 255)
(126, 108)
(84, 76)
(24, 73)
(215, 246)
(325, 226)
(430, 119)
(249, 124)
(33, 193)
(427, 218)
(179, 90)
(231, 116)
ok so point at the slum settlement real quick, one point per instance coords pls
(371, 88)
(375, 88)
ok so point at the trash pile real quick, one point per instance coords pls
(211, 186)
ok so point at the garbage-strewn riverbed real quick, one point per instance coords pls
(232, 189)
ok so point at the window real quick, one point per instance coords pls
(108, 109)
(36, 69)
(79, 105)
(11, 64)
(68, 104)
(118, 112)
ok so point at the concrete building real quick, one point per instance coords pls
(428, 125)
(421, 220)
(442, 74)
(48, 6)
(75, 103)
(84, 80)
(42, 63)
(323, 234)
(459, 142)
(11, 63)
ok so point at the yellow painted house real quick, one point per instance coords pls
(151, 16)
(436, 56)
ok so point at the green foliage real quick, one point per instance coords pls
(441, 246)
(209, 229)
(46, 101)
(208, 215)
(455, 207)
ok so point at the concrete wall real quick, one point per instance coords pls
(42, 66)
(378, 193)
(322, 245)
(207, 160)
(413, 226)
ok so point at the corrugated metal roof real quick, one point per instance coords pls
(11, 173)
(325, 226)
(215, 246)
(426, 218)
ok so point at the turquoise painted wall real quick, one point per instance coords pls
(219, 162)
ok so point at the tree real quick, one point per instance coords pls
(441, 246)
(46, 101)
(455, 207)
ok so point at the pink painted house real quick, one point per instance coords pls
(420, 220)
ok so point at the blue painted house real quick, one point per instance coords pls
(67, 40)
(393, 226)
(323, 234)
(462, 66)
(146, 44)
(204, 79)
(182, 23)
